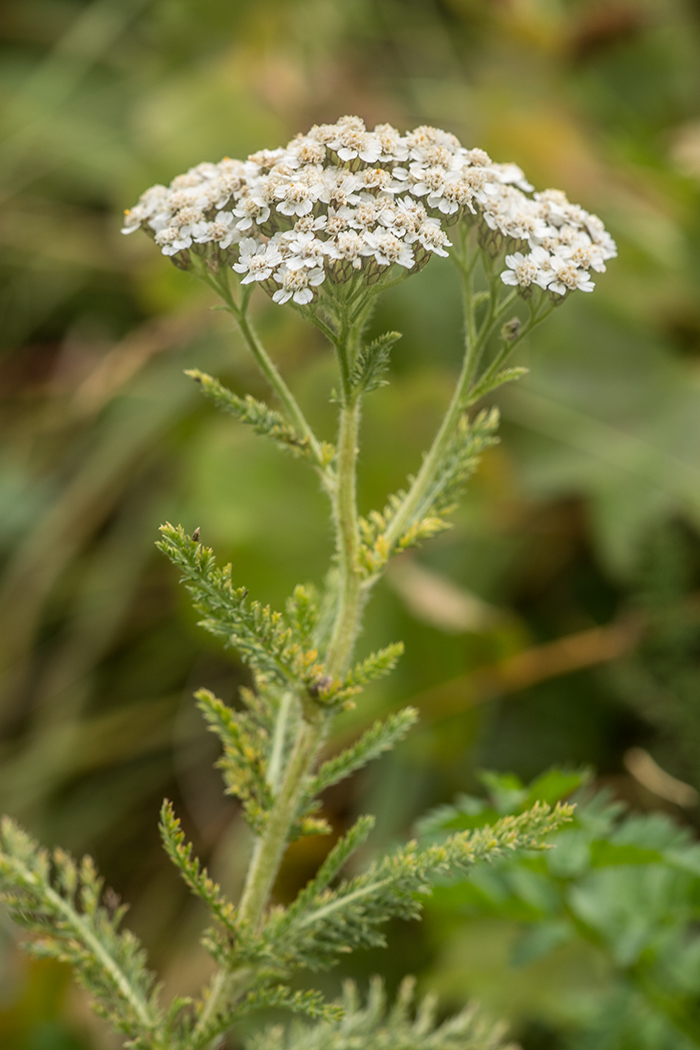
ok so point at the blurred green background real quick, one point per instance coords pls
(558, 622)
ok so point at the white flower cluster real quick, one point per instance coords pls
(343, 201)
(565, 242)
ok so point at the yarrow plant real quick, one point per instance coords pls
(323, 225)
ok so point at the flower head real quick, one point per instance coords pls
(351, 203)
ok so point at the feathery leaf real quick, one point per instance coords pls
(258, 415)
(380, 737)
(492, 382)
(348, 917)
(372, 362)
(263, 637)
(244, 761)
(60, 903)
(374, 1027)
(460, 461)
(194, 875)
(376, 665)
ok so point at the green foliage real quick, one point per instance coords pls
(260, 635)
(267, 996)
(440, 498)
(310, 1003)
(334, 921)
(490, 382)
(628, 885)
(376, 665)
(193, 873)
(263, 638)
(256, 414)
(303, 612)
(470, 439)
(340, 853)
(80, 456)
(378, 1027)
(68, 916)
(380, 737)
(245, 741)
(61, 904)
(372, 362)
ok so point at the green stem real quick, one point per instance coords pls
(268, 367)
(351, 594)
(225, 987)
(269, 848)
(265, 863)
(278, 384)
(274, 766)
(489, 374)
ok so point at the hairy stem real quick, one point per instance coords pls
(268, 368)
(224, 987)
(351, 594)
(265, 863)
(274, 765)
(270, 846)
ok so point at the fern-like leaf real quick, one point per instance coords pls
(244, 760)
(375, 1027)
(259, 634)
(491, 382)
(372, 362)
(208, 1027)
(332, 865)
(461, 460)
(439, 500)
(376, 665)
(348, 917)
(380, 737)
(263, 637)
(194, 875)
(303, 614)
(256, 414)
(60, 903)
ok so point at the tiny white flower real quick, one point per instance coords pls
(172, 240)
(297, 198)
(305, 150)
(132, 221)
(349, 246)
(363, 216)
(394, 148)
(251, 209)
(263, 160)
(351, 144)
(524, 270)
(388, 249)
(511, 174)
(432, 237)
(568, 277)
(256, 260)
(305, 250)
(297, 285)
(478, 157)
